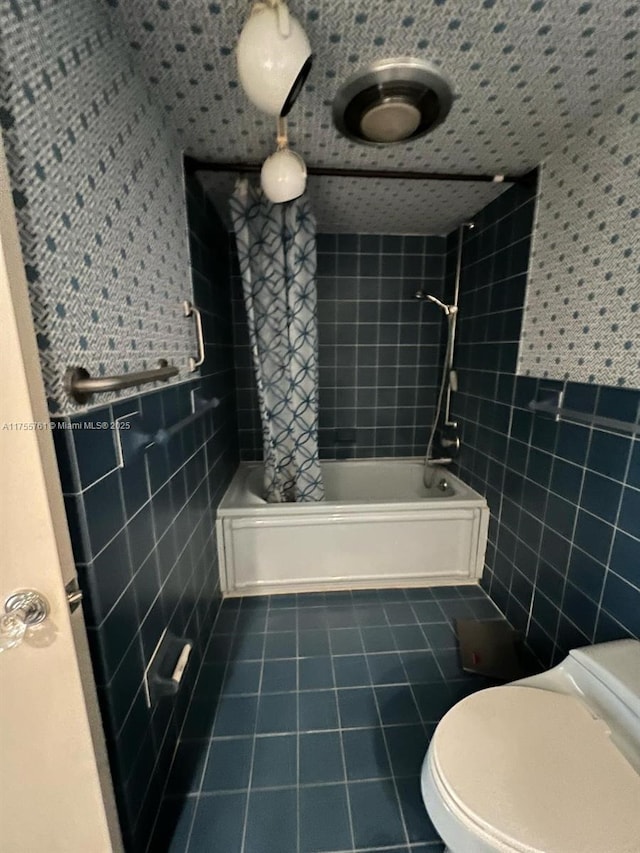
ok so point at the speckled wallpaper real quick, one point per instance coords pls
(582, 315)
(98, 189)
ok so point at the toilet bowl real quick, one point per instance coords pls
(548, 764)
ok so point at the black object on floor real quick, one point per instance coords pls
(490, 648)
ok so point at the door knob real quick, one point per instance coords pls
(23, 610)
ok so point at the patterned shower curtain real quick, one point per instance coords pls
(277, 252)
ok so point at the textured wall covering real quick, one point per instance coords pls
(97, 186)
(563, 561)
(582, 317)
(525, 74)
(346, 206)
(380, 351)
(144, 541)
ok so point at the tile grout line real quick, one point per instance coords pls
(342, 749)
(255, 733)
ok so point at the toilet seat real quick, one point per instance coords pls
(500, 771)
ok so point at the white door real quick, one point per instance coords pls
(55, 788)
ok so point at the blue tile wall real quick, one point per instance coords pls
(379, 347)
(563, 560)
(144, 537)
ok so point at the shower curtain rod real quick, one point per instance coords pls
(192, 164)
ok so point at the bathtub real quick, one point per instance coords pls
(378, 527)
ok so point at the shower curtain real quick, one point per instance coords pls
(277, 253)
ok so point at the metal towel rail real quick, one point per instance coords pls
(162, 436)
(131, 443)
(80, 385)
(584, 417)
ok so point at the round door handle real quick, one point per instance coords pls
(23, 609)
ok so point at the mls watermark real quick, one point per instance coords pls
(49, 426)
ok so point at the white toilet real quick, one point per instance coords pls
(548, 764)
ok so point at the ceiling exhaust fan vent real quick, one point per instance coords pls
(392, 101)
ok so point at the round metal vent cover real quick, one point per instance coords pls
(392, 101)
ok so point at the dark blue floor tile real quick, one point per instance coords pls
(440, 635)
(320, 758)
(282, 620)
(375, 814)
(317, 832)
(419, 593)
(443, 593)
(409, 637)
(199, 720)
(428, 611)
(315, 673)
(407, 747)
(391, 596)
(226, 622)
(272, 822)
(358, 708)
(219, 817)
(317, 710)
(311, 618)
(378, 639)
(171, 833)
(371, 615)
(351, 671)
(346, 641)
(400, 614)
(456, 609)
(277, 713)
(248, 647)
(186, 771)
(236, 716)
(386, 668)
(434, 700)
(397, 705)
(419, 826)
(290, 599)
(313, 643)
(252, 621)
(242, 677)
(228, 765)
(449, 662)
(365, 596)
(471, 591)
(275, 761)
(365, 754)
(344, 597)
(482, 608)
(341, 617)
(280, 645)
(421, 667)
(279, 676)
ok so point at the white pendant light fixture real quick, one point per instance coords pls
(284, 174)
(274, 57)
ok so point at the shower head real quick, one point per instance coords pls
(448, 309)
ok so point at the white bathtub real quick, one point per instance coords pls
(378, 526)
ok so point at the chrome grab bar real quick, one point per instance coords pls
(189, 310)
(559, 413)
(80, 385)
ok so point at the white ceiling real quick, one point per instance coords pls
(527, 75)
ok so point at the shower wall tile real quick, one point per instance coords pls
(563, 561)
(379, 347)
(144, 536)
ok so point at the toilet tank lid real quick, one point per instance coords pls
(617, 666)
